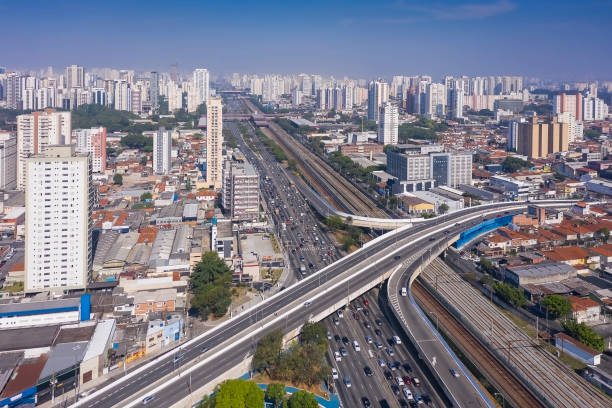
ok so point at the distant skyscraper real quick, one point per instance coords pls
(594, 109)
(35, 132)
(378, 93)
(13, 91)
(436, 100)
(201, 85)
(214, 142)
(58, 226)
(74, 76)
(162, 151)
(154, 91)
(568, 103)
(123, 96)
(8, 160)
(388, 124)
(457, 103)
(92, 141)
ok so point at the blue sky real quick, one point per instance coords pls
(544, 38)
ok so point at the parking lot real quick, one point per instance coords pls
(382, 371)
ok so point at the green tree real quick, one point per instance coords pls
(513, 164)
(276, 394)
(486, 265)
(136, 141)
(557, 305)
(314, 333)
(334, 222)
(208, 270)
(239, 394)
(143, 160)
(510, 294)
(591, 134)
(212, 298)
(302, 399)
(443, 208)
(209, 282)
(604, 233)
(584, 334)
(268, 351)
(146, 196)
(118, 179)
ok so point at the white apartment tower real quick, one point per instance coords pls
(162, 151)
(92, 141)
(8, 160)
(58, 226)
(74, 77)
(435, 100)
(36, 131)
(214, 142)
(388, 124)
(200, 83)
(378, 93)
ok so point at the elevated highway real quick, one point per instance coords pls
(233, 342)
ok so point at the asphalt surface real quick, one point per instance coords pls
(240, 333)
(381, 385)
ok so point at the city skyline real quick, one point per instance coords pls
(354, 39)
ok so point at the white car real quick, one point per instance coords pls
(334, 373)
(337, 356)
(399, 381)
(306, 304)
(407, 394)
(397, 340)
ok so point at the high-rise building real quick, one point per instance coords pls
(594, 109)
(74, 77)
(456, 99)
(92, 141)
(388, 124)
(539, 139)
(8, 160)
(513, 132)
(13, 91)
(435, 100)
(58, 226)
(201, 85)
(568, 103)
(214, 142)
(296, 97)
(162, 151)
(240, 191)
(35, 132)
(451, 169)
(123, 96)
(154, 91)
(378, 93)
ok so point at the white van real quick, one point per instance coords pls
(356, 345)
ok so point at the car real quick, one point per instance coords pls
(399, 381)
(378, 322)
(307, 303)
(407, 394)
(205, 349)
(454, 372)
(178, 357)
(366, 312)
(345, 340)
(356, 345)
(347, 382)
(334, 373)
(416, 381)
(418, 398)
(432, 238)
(378, 332)
(367, 324)
(368, 371)
(340, 314)
(355, 316)
(381, 362)
(378, 344)
(336, 337)
(395, 389)
(396, 257)
(366, 303)
(343, 352)
(402, 402)
(390, 351)
(329, 336)
(148, 399)
(397, 340)
(413, 404)
(388, 375)
(407, 367)
(384, 403)
(336, 321)
(337, 356)
(426, 399)
(407, 380)
(369, 339)
(366, 402)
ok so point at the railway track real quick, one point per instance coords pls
(330, 184)
(539, 370)
(493, 370)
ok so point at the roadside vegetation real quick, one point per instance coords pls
(349, 235)
(209, 283)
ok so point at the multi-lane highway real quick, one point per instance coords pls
(229, 343)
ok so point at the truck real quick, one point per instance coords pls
(404, 292)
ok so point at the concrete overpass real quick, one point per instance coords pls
(230, 345)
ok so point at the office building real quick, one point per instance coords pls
(58, 226)
(8, 160)
(214, 142)
(563, 103)
(240, 191)
(539, 139)
(451, 169)
(201, 85)
(74, 77)
(162, 151)
(36, 131)
(378, 93)
(388, 124)
(92, 141)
